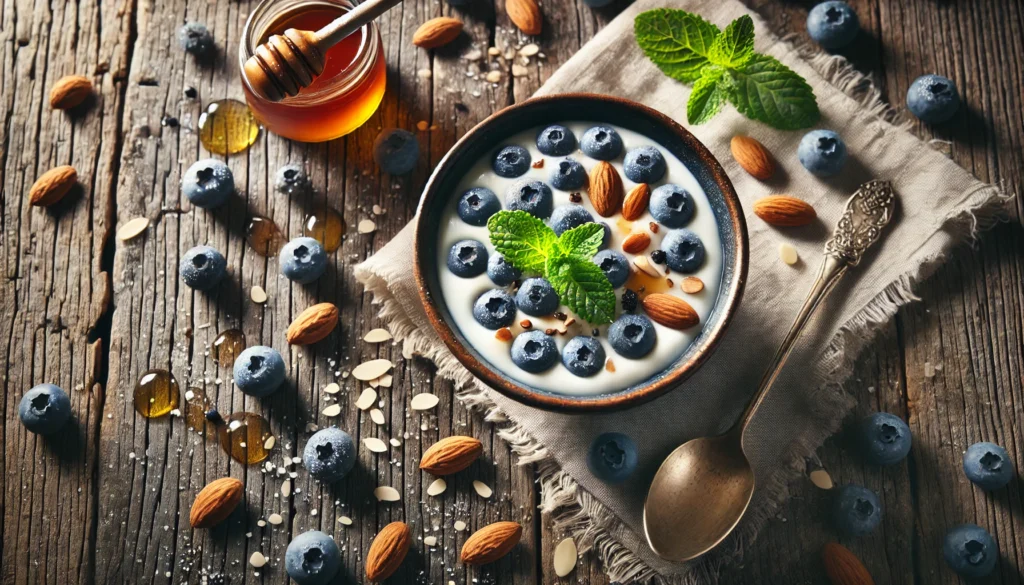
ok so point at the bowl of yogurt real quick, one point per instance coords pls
(580, 252)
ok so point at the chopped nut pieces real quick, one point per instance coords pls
(503, 334)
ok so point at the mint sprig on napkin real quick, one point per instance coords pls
(528, 244)
(722, 66)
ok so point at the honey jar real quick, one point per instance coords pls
(343, 97)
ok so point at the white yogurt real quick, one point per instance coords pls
(460, 293)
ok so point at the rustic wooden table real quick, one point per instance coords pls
(107, 501)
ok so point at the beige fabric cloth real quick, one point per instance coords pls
(939, 205)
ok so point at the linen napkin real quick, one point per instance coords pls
(939, 204)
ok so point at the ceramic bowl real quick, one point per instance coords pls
(541, 111)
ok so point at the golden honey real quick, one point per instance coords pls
(246, 437)
(263, 236)
(326, 226)
(227, 127)
(156, 394)
(226, 347)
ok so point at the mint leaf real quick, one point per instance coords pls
(525, 241)
(766, 90)
(583, 240)
(735, 46)
(676, 41)
(708, 95)
(583, 287)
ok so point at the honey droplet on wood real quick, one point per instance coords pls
(227, 346)
(244, 437)
(325, 226)
(227, 127)
(263, 236)
(156, 394)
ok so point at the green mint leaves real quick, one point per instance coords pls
(722, 66)
(531, 246)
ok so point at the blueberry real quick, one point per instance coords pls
(534, 352)
(583, 356)
(537, 297)
(477, 205)
(614, 265)
(568, 175)
(632, 336)
(259, 370)
(644, 165)
(329, 454)
(601, 142)
(208, 183)
(501, 272)
(612, 457)
(822, 152)
(495, 309)
(607, 237)
(566, 217)
(511, 161)
(467, 258)
(292, 179)
(396, 151)
(312, 558)
(933, 98)
(672, 206)
(833, 24)
(857, 510)
(202, 267)
(195, 38)
(44, 409)
(556, 140)
(684, 252)
(988, 466)
(885, 438)
(302, 260)
(533, 197)
(970, 551)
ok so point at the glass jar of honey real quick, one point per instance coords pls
(343, 97)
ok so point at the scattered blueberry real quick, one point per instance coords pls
(329, 454)
(970, 551)
(833, 24)
(292, 179)
(495, 309)
(566, 217)
(537, 297)
(202, 267)
(556, 141)
(614, 265)
(396, 151)
(988, 466)
(885, 438)
(195, 38)
(467, 258)
(477, 205)
(822, 152)
(534, 352)
(533, 197)
(312, 558)
(658, 256)
(612, 457)
(568, 175)
(501, 272)
(583, 356)
(259, 370)
(302, 260)
(191, 93)
(630, 300)
(684, 252)
(607, 237)
(632, 336)
(857, 510)
(44, 409)
(933, 98)
(511, 161)
(208, 183)
(601, 142)
(644, 165)
(672, 206)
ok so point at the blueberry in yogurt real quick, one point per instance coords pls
(583, 356)
(556, 140)
(684, 252)
(495, 309)
(601, 143)
(511, 161)
(467, 258)
(566, 217)
(568, 174)
(614, 265)
(533, 197)
(477, 205)
(501, 272)
(536, 297)
(632, 336)
(534, 352)
(672, 206)
(644, 165)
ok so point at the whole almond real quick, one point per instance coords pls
(606, 191)
(313, 324)
(783, 210)
(437, 32)
(387, 551)
(69, 91)
(215, 502)
(636, 243)
(843, 567)
(52, 186)
(451, 455)
(753, 157)
(670, 311)
(636, 202)
(525, 14)
(491, 542)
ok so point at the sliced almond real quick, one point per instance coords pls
(644, 264)
(437, 487)
(375, 445)
(372, 369)
(377, 336)
(345, 521)
(565, 557)
(366, 399)
(430, 540)
(424, 401)
(395, 442)
(257, 559)
(821, 479)
(132, 228)
(386, 494)
(275, 519)
(482, 489)
(332, 388)
(377, 416)
(459, 525)
(286, 488)
(332, 410)
(257, 294)
(692, 285)
(788, 254)
(366, 226)
(385, 380)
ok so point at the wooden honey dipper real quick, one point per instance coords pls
(287, 63)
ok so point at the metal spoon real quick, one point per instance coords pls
(703, 488)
